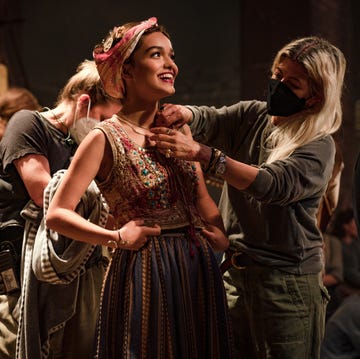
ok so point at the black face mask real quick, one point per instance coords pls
(281, 101)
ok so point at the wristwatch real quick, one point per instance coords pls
(220, 166)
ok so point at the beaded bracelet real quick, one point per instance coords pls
(218, 165)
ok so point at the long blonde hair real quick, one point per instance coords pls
(325, 65)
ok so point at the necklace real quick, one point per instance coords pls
(136, 128)
(68, 138)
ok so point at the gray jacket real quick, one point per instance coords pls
(54, 269)
(274, 219)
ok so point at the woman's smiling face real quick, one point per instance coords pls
(152, 68)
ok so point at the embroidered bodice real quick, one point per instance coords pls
(143, 184)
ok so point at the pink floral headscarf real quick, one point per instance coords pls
(109, 60)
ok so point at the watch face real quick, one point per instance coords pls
(220, 169)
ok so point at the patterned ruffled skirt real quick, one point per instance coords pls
(164, 301)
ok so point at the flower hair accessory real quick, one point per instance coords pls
(110, 59)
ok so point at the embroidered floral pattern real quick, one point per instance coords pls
(153, 186)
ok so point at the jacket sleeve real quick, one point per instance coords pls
(304, 174)
(227, 127)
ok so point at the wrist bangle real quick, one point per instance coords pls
(206, 169)
(122, 241)
(215, 159)
(218, 166)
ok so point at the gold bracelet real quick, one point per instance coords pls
(122, 241)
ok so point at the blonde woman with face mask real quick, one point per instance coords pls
(34, 147)
(163, 295)
(276, 158)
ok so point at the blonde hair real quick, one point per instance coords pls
(325, 65)
(86, 80)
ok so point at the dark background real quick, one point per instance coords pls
(224, 49)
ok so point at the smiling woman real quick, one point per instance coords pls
(163, 296)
